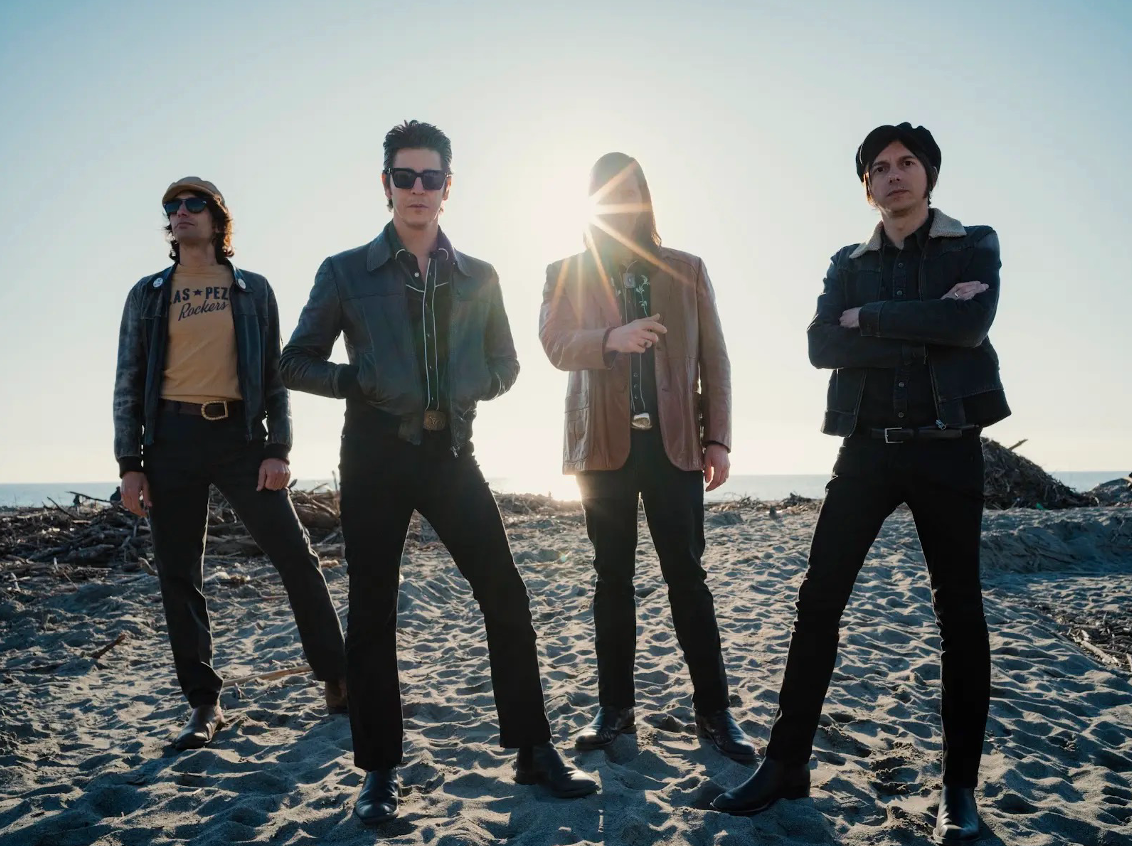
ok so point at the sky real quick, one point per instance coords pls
(744, 116)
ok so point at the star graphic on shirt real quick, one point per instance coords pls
(197, 292)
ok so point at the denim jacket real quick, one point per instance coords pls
(951, 335)
(142, 343)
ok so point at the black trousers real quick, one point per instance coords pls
(189, 454)
(384, 479)
(674, 508)
(942, 483)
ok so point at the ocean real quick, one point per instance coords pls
(757, 487)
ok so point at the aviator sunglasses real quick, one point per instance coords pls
(194, 204)
(404, 177)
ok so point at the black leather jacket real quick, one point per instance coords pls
(361, 293)
(950, 334)
(143, 340)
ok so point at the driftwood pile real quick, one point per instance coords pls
(1016, 482)
(95, 534)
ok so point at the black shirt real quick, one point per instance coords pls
(631, 287)
(900, 396)
(430, 303)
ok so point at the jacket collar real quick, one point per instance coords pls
(942, 227)
(381, 250)
(164, 276)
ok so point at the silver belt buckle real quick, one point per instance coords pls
(223, 412)
(641, 422)
(892, 429)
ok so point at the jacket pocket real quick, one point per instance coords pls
(863, 286)
(385, 387)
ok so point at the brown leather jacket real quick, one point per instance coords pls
(693, 374)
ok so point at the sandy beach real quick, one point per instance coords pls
(85, 755)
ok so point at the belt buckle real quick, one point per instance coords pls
(641, 422)
(887, 437)
(435, 421)
(204, 409)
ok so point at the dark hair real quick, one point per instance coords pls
(414, 135)
(929, 169)
(609, 167)
(222, 240)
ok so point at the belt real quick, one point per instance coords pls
(435, 421)
(897, 435)
(215, 410)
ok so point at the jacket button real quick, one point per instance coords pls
(158, 282)
(242, 284)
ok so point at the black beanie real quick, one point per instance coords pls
(917, 139)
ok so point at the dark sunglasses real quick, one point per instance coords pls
(403, 177)
(194, 204)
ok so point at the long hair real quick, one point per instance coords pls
(221, 240)
(610, 167)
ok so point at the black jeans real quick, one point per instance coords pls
(190, 453)
(942, 483)
(674, 508)
(384, 479)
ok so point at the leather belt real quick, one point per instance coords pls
(215, 410)
(435, 421)
(897, 435)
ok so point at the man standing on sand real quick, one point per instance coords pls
(198, 374)
(427, 338)
(648, 415)
(902, 321)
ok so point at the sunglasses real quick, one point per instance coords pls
(403, 177)
(194, 204)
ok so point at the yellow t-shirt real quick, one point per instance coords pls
(200, 361)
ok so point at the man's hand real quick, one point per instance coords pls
(717, 466)
(274, 474)
(851, 318)
(135, 493)
(965, 291)
(635, 337)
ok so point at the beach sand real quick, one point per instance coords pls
(85, 755)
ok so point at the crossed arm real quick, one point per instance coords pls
(890, 333)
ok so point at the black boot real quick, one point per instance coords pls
(958, 817)
(200, 728)
(377, 802)
(543, 764)
(772, 781)
(725, 735)
(608, 723)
